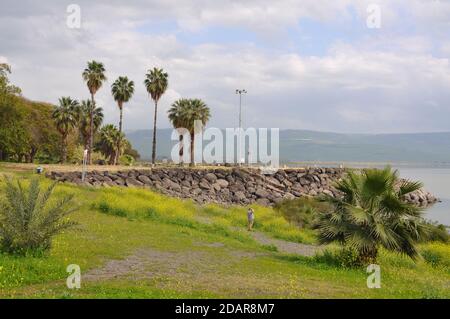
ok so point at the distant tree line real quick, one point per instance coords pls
(32, 131)
(44, 133)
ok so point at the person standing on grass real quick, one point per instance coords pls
(250, 218)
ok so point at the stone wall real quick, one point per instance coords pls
(240, 186)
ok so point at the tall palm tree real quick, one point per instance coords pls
(122, 90)
(110, 137)
(177, 115)
(196, 111)
(65, 118)
(156, 83)
(83, 114)
(372, 213)
(94, 76)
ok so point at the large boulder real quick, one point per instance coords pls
(222, 183)
(239, 196)
(211, 178)
(131, 182)
(204, 185)
(144, 179)
(262, 193)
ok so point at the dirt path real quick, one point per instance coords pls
(281, 245)
(148, 263)
(286, 246)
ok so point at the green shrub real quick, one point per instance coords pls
(436, 254)
(432, 257)
(436, 232)
(27, 224)
(300, 211)
(77, 156)
(126, 160)
(343, 257)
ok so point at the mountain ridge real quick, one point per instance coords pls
(308, 145)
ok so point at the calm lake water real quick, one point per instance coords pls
(437, 181)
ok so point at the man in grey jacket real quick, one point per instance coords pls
(250, 218)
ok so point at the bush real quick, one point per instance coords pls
(343, 257)
(77, 156)
(126, 160)
(27, 225)
(300, 211)
(436, 254)
(436, 232)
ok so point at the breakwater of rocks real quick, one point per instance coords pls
(241, 186)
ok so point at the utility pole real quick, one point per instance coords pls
(240, 92)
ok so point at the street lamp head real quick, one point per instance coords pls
(241, 91)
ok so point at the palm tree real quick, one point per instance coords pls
(122, 90)
(110, 137)
(156, 83)
(65, 118)
(177, 115)
(372, 213)
(196, 111)
(31, 218)
(83, 115)
(94, 76)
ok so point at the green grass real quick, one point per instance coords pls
(188, 251)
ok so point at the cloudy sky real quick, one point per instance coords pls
(310, 64)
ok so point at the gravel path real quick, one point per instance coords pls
(286, 246)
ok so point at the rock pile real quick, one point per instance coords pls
(240, 186)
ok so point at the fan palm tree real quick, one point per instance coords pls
(372, 213)
(196, 111)
(65, 118)
(177, 115)
(94, 76)
(84, 111)
(156, 83)
(110, 137)
(122, 90)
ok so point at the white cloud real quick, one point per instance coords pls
(385, 81)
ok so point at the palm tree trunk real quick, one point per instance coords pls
(91, 131)
(192, 150)
(63, 148)
(154, 134)
(112, 158)
(120, 116)
(116, 158)
(181, 152)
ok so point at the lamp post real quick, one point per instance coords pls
(240, 92)
(83, 172)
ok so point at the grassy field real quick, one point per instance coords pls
(134, 243)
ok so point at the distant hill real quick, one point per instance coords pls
(303, 145)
